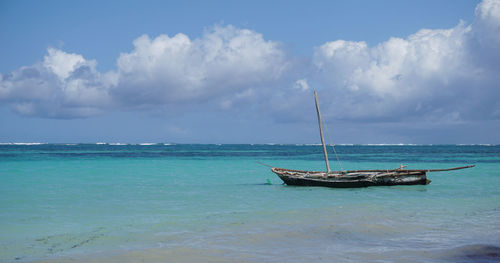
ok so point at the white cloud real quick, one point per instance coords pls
(169, 70)
(222, 67)
(432, 74)
(301, 84)
(64, 85)
(488, 12)
(62, 63)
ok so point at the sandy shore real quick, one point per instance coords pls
(471, 253)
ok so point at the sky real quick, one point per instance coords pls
(419, 72)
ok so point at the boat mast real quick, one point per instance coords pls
(321, 132)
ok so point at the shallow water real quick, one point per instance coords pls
(211, 203)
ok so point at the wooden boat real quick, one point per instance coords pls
(354, 178)
(358, 178)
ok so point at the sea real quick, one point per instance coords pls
(218, 203)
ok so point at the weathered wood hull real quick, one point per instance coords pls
(352, 179)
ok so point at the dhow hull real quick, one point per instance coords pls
(351, 179)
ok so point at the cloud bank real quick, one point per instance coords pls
(434, 75)
(173, 70)
(63, 85)
(442, 75)
(224, 65)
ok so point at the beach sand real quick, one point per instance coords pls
(471, 253)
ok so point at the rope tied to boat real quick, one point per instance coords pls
(333, 146)
(263, 164)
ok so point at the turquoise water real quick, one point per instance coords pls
(212, 203)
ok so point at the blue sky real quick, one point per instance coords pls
(243, 72)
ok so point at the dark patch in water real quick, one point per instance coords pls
(476, 253)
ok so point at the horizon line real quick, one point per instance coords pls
(268, 144)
